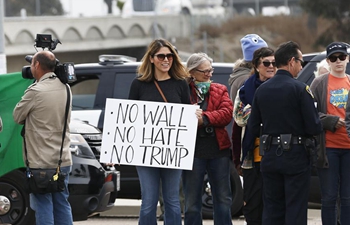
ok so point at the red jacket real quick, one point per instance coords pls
(219, 111)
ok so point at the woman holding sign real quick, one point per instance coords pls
(212, 151)
(162, 78)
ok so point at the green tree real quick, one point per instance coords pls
(120, 4)
(337, 12)
(33, 7)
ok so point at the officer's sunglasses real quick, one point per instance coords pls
(334, 58)
(161, 57)
(268, 63)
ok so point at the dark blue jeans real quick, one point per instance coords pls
(253, 195)
(219, 177)
(286, 183)
(335, 182)
(54, 208)
(150, 178)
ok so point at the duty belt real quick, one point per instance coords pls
(295, 140)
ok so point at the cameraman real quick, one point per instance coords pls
(42, 110)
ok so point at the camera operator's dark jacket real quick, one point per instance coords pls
(218, 113)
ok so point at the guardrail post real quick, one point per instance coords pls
(3, 64)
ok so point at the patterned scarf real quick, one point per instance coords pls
(202, 88)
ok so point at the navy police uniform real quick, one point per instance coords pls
(284, 115)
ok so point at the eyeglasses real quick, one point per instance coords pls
(161, 57)
(300, 60)
(206, 72)
(334, 58)
(268, 63)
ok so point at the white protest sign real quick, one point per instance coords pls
(153, 134)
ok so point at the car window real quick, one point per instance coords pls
(84, 94)
(122, 85)
(306, 75)
(222, 79)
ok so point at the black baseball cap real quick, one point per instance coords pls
(336, 47)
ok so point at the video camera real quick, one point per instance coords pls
(65, 72)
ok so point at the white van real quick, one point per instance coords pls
(206, 3)
(171, 7)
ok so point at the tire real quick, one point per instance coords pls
(13, 191)
(237, 195)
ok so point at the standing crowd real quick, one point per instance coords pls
(281, 128)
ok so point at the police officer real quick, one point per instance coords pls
(284, 115)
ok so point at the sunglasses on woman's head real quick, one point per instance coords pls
(334, 58)
(161, 57)
(268, 63)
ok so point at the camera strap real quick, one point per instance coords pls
(204, 103)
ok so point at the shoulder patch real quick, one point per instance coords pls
(309, 91)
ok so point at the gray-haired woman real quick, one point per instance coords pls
(212, 152)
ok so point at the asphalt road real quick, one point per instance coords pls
(126, 212)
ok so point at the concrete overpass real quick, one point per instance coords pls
(83, 39)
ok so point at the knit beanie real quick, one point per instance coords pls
(250, 43)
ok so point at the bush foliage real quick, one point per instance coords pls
(223, 42)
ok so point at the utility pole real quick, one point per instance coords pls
(257, 7)
(37, 8)
(3, 64)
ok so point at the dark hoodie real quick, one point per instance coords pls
(239, 75)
